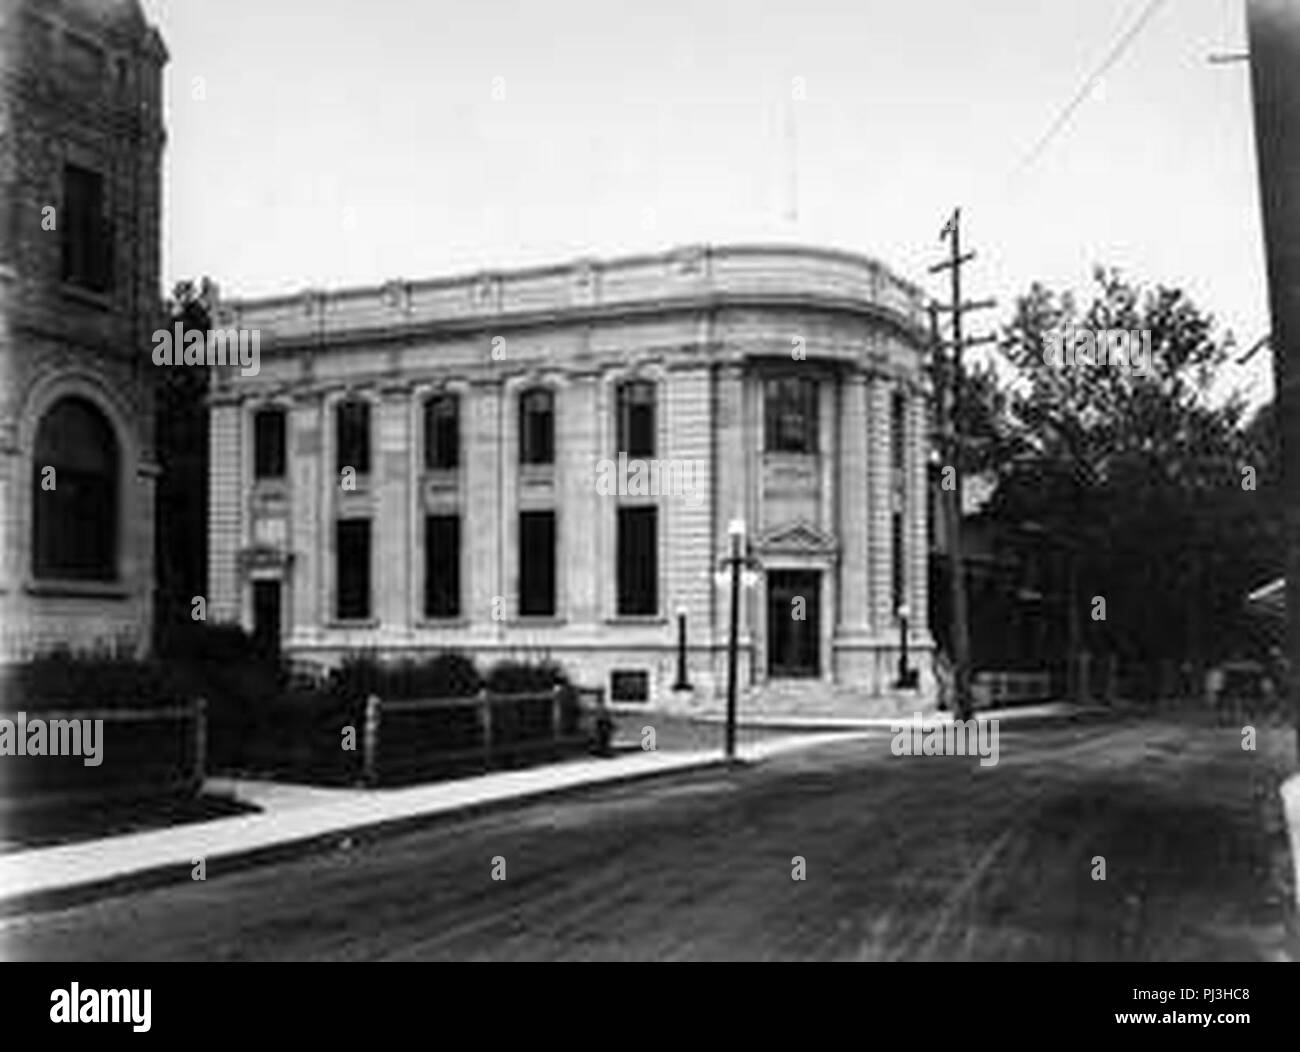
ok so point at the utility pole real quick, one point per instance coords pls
(1274, 27)
(949, 374)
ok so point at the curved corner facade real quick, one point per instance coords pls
(548, 462)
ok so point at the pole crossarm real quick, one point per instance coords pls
(953, 264)
(975, 341)
(968, 305)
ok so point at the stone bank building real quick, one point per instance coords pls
(546, 463)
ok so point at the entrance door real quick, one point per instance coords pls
(266, 615)
(793, 641)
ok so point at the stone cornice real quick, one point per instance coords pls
(694, 280)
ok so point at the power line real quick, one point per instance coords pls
(1113, 56)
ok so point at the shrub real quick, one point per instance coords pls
(357, 677)
(62, 680)
(223, 664)
(151, 757)
(528, 719)
(300, 733)
(516, 677)
(451, 675)
(448, 675)
(228, 667)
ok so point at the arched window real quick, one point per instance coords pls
(791, 415)
(442, 433)
(636, 418)
(352, 436)
(537, 427)
(75, 506)
(268, 443)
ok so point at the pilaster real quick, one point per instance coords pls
(880, 504)
(306, 448)
(854, 507)
(226, 509)
(393, 476)
(484, 526)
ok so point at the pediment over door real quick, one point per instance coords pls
(798, 538)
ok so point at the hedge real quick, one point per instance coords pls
(63, 681)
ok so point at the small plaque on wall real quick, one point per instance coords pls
(629, 685)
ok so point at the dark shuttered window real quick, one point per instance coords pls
(537, 564)
(638, 561)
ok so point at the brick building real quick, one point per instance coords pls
(81, 140)
(547, 461)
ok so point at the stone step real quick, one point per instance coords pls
(825, 700)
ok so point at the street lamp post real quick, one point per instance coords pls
(730, 573)
(682, 682)
(733, 645)
(907, 678)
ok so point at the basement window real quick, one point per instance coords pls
(629, 685)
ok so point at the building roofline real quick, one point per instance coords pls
(692, 276)
(575, 263)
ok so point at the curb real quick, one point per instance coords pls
(885, 724)
(1290, 792)
(796, 724)
(77, 891)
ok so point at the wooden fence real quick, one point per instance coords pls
(144, 753)
(410, 737)
(156, 752)
(993, 688)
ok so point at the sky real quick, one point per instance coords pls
(324, 143)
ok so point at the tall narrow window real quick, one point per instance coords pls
(898, 450)
(442, 566)
(352, 569)
(898, 568)
(75, 494)
(442, 433)
(537, 564)
(790, 415)
(537, 427)
(898, 429)
(636, 418)
(268, 444)
(638, 561)
(266, 617)
(352, 436)
(86, 230)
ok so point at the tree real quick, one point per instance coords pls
(1135, 473)
(181, 441)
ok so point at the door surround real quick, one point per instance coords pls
(796, 547)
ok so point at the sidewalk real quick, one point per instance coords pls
(295, 817)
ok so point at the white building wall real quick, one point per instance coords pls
(710, 414)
